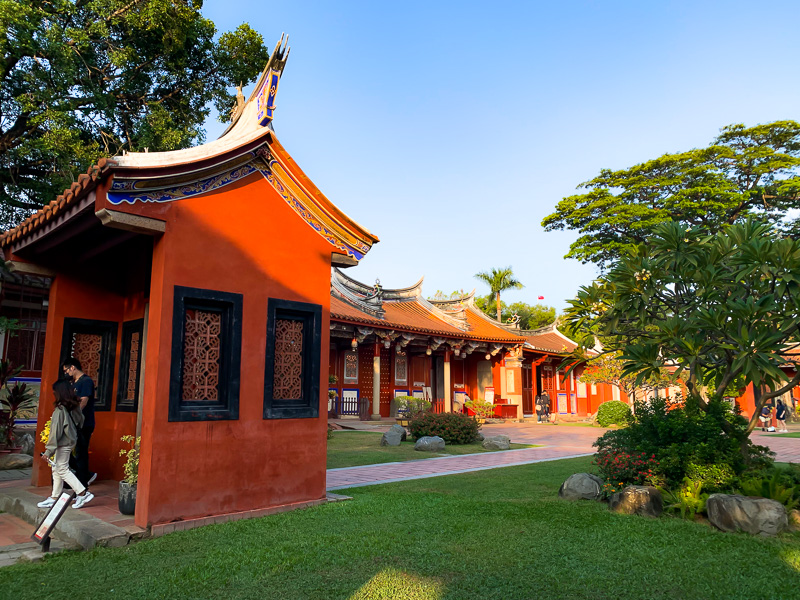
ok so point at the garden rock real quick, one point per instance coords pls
(15, 461)
(757, 516)
(394, 436)
(429, 443)
(497, 442)
(27, 442)
(642, 500)
(581, 486)
(479, 437)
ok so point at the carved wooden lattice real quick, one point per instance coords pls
(288, 359)
(201, 354)
(351, 366)
(133, 368)
(87, 348)
(400, 369)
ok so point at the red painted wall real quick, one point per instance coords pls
(243, 239)
(71, 297)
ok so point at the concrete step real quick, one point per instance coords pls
(74, 527)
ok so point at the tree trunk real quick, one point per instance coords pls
(499, 316)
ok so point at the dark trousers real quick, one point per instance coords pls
(80, 461)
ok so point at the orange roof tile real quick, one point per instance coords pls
(551, 342)
(85, 183)
(413, 316)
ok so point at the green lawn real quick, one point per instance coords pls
(354, 448)
(794, 434)
(501, 533)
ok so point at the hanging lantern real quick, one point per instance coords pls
(354, 344)
(428, 350)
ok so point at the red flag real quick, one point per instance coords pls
(541, 297)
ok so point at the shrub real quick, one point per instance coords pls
(715, 477)
(411, 406)
(690, 500)
(481, 408)
(620, 469)
(613, 412)
(680, 437)
(453, 428)
(772, 488)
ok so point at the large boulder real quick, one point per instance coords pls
(27, 443)
(581, 486)
(757, 516)
(429, 443)
(497, 442)
(394, 436)
(15, 461)
(642, 500)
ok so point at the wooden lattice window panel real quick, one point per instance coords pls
(293, 357)
(88, 348)
(400, 369)
(93, 343)
(130, 363)
(201, 355)
(206, 355)
(288, 359)
(133, 367)
(351, 367)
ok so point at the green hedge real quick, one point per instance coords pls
(613, 412)
(453, 428)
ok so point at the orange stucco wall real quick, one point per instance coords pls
(74, 297)
(242, 239)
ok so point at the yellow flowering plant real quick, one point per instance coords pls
(131, 467)
(45, 434)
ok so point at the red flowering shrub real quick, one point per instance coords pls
(619, 469)
(453, 428)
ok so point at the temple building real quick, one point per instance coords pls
(175, 282)
(386, 343)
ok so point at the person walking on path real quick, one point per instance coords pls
(84, 391)
(64, 426)
(780, 416)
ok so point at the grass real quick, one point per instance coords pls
(355, 448)
(792, 434)
(501, 533)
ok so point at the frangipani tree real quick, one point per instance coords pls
(719, 308)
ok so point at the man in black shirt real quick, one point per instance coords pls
(84, 390)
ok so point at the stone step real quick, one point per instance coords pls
(74, 527)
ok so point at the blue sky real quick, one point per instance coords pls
(450, 129)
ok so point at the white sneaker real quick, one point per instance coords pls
(47, 502)
(82, 501)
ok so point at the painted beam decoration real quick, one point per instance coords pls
(266, 98)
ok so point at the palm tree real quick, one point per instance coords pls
(499, 280)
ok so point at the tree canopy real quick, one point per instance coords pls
(718, 309)
(82, 79)
(746, 171)
(499, 280)
(531, 316)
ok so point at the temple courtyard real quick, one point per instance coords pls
(445, 527)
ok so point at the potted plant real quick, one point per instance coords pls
(332, 395)
(16, 398)
(481, 409)
(127, 487)
(408, 407)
